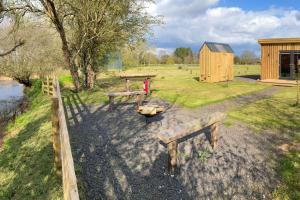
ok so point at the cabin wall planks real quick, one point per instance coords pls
(270, 55)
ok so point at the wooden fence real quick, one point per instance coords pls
(47, 85)
(61, 143)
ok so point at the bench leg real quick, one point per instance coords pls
(172, 151)
(139, 99)
(214, 135)
(111, 103)
(127, 85)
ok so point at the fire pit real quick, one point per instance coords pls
(150, 111)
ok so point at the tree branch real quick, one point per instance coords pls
(18, 44)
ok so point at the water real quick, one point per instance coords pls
(11, 92)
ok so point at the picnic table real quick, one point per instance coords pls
(129, 77)
(138, 94)
(172, 135)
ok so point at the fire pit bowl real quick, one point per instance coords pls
(150, 111)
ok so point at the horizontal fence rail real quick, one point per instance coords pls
(64, 163)
(47, 85)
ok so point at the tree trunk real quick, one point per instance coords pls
(51, 12)
(83, 68)
(87, 70)
(90, 77)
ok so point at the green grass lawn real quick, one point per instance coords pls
(278, 112)
(242, 70)
(176, 84)
(180, 86)
(26, 158)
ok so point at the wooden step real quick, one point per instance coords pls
(279, 82)
(285, 85)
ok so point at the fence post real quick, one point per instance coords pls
(55, 133)
(48, 85)
(43, 88)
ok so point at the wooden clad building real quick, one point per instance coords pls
(216, 62)
(279, 57)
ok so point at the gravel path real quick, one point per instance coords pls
(119, 157)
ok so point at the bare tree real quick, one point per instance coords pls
(248, 57)
(89, 29)
(17, 43)
(40, 55)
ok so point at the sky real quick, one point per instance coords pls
(189, 23)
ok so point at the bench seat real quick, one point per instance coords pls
(170, 136)
(138, 94)
(130, 93)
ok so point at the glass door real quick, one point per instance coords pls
(296, 58)
(285, 65)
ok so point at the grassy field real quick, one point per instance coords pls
(26, 159)
(244, 70)
(278, 112)
(181, 86)
(176, 84)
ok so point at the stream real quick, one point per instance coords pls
(11, 92)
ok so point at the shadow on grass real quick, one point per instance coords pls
(27, 164)
(281, 116)
(288, 168)
(247, 78)
(196, 78)
(252, 77)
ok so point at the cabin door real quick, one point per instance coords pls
(285, 66)
(288, 64)
(296, 58)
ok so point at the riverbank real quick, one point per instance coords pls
(5, 78)
(12, 102)
(26, 157)
(11, 95)
(2, 132)
(8, 115)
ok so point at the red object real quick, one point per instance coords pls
(146, 86)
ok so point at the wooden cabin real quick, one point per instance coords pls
(279, 57)
(216, 62)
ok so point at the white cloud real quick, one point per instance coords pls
(164, 51)
(191, 23)
(181, 7)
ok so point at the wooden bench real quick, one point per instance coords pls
(171, 135)
(138, 94)
(129, 77)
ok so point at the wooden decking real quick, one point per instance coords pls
(280, 82)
